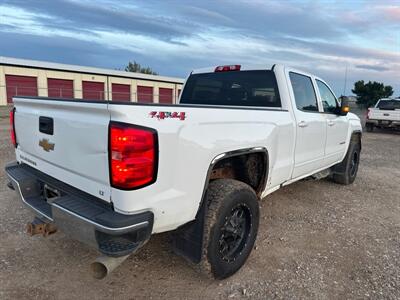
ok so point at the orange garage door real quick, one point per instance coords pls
(165, 95)
(93, 90)
(121, 92)
(60, 88)
(145, 94)
(20, 86)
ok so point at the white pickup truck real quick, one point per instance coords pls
(112, 174)
(385, 114)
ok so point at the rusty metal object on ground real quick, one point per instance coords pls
(37, 226)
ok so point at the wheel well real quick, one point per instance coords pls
(250, 168)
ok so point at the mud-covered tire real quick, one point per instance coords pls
(346, 171)
(369, 127)
(226, 247)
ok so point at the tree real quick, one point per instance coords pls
(136, 67)
(369, 93)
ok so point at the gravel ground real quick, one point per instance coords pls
(317, 240)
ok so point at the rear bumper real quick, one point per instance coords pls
(80, 215)
(383, 123)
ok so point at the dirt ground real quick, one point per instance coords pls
(317, 240)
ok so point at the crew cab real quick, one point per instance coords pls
(112, 174)
(385, 114)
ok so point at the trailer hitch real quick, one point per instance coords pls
(37, 226)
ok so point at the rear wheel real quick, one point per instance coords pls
(346, 171)
(230, 227)
(369, 127)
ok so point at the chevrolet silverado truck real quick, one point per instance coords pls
(385, 114)
(112, 174)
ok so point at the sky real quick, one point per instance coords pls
(174, 37)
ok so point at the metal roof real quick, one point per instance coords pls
(10, 61)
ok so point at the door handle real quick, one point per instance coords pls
(331, 123)
(46, 125)
(302, 124)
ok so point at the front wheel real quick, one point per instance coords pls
(346, 171)
(230, 227)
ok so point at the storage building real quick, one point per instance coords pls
(21, 77)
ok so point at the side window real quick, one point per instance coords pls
(304, 93)
(328, 99)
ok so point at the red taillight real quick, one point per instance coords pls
(227, 68)
(12, 128)
(133, 155)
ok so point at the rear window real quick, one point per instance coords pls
(389, 104)
(234, 88)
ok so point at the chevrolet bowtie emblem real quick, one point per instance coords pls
(44, 143)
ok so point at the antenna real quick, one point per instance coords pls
(345, 82)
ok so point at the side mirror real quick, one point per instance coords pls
(344, 108)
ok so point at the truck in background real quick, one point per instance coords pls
(385, 114)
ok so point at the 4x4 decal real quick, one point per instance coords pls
(161, 115)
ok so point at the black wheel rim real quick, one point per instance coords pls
(235, 233)
(353, 164)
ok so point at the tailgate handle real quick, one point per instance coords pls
(46, 125)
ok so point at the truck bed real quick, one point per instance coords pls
(80, 156)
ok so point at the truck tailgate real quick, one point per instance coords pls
(385, 114)
(77, 150)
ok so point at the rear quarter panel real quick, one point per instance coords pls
(187, 148)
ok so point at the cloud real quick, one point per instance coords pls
(95, 16)
(203, 14)
(265, 18)
(373, 67)
(390, 13)
(174, 37)
(61, 49)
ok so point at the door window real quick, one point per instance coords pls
(304, 93)
(329, 102)
(388, 104)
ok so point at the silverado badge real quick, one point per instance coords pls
(46, 145)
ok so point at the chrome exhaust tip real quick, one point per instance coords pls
(104, 265)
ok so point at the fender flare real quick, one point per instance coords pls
(234, 153)
(353, 133)
(187, 240)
